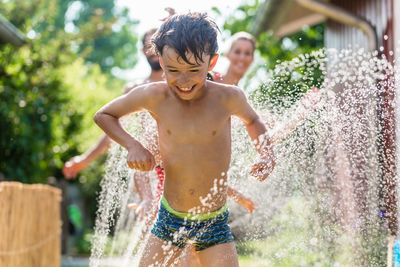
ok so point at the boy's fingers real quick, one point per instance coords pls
(152, 163)
(140, 166)
(145, 166)
(133, 165)
(130, 164)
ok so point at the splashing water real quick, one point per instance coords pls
(322, 205)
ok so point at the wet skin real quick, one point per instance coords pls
(194, 124)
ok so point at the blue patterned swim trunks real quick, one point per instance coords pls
(201, 230)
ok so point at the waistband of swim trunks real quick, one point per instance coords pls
(193, 216)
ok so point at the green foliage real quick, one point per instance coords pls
(88, 90)
(33, 100)
(290, 80)
(302, 42)
(83, 243)
(102, 33)
(51, 87)
(299, 237)
(98, 31)
(242, 18)
(47, 96)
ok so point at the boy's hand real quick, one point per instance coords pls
(140, 158)
(73, 166)
(262, 169)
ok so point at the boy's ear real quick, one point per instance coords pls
(161, 63)
(213, 62)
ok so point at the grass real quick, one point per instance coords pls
(300, 239)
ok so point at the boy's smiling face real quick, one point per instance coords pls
(186, 80)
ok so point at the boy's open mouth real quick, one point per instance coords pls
(185, 90)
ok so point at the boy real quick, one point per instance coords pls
(193, 117)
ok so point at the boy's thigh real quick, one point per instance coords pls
(158, 252)
(219, 255)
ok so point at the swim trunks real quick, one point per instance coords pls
(202, 230)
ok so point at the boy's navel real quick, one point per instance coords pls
(191, 191)
(214, 133)
(168, 132)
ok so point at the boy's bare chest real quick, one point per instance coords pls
(193, 123)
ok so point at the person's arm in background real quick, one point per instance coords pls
(142, 185)
(241, 199)
(308, 103)
(76, 164)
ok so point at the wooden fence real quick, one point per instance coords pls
(30, 225)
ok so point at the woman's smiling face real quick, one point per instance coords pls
(241, 56)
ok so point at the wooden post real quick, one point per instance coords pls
(30, 225)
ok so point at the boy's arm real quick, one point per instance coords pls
(107, 118)
(257, 132)
(73, 166)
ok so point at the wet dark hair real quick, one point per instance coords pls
(191, 32)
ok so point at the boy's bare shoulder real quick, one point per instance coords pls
(150, 93)
(131, 85)
(226, 92)
(155, 89)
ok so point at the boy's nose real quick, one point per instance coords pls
(183, 79)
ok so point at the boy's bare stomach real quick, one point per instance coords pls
(195, 183)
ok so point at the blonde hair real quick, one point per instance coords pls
(242, 36)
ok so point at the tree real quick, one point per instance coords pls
(40, 117)
(101, 33)
(113, 43)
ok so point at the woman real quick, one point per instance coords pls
(240, 55)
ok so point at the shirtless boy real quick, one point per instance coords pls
(193, 116)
